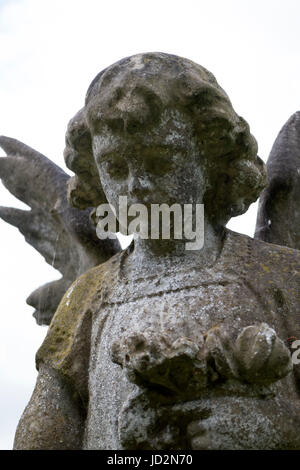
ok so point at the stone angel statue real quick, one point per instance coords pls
(156, 346)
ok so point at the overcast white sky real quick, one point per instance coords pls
(50, 50)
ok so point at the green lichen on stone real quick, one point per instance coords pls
(70, 314)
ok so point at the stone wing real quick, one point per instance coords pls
(278, 219)
(64, 236)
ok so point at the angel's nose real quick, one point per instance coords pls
(138, 186)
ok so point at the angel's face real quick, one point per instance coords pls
(159, 164)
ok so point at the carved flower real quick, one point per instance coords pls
(155, 360)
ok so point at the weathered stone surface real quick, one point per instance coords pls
(278, 218)
(54, 417)
(153, 342)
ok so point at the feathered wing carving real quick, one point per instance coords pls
(278, 219)
(63, 235)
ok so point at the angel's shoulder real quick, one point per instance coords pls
(280, 260)
(82, 293)
(267, 266)
(66, 346)
(275, 267)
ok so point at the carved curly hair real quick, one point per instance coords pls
(131, 95)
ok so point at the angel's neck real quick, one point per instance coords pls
(155, 253)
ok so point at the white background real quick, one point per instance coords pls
(50, 50)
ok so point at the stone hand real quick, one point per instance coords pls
(245, 423)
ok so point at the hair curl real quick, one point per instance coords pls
(84, 189)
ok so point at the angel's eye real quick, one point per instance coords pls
(116, 168)
(158, 163)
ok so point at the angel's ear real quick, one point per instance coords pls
(84, 193)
